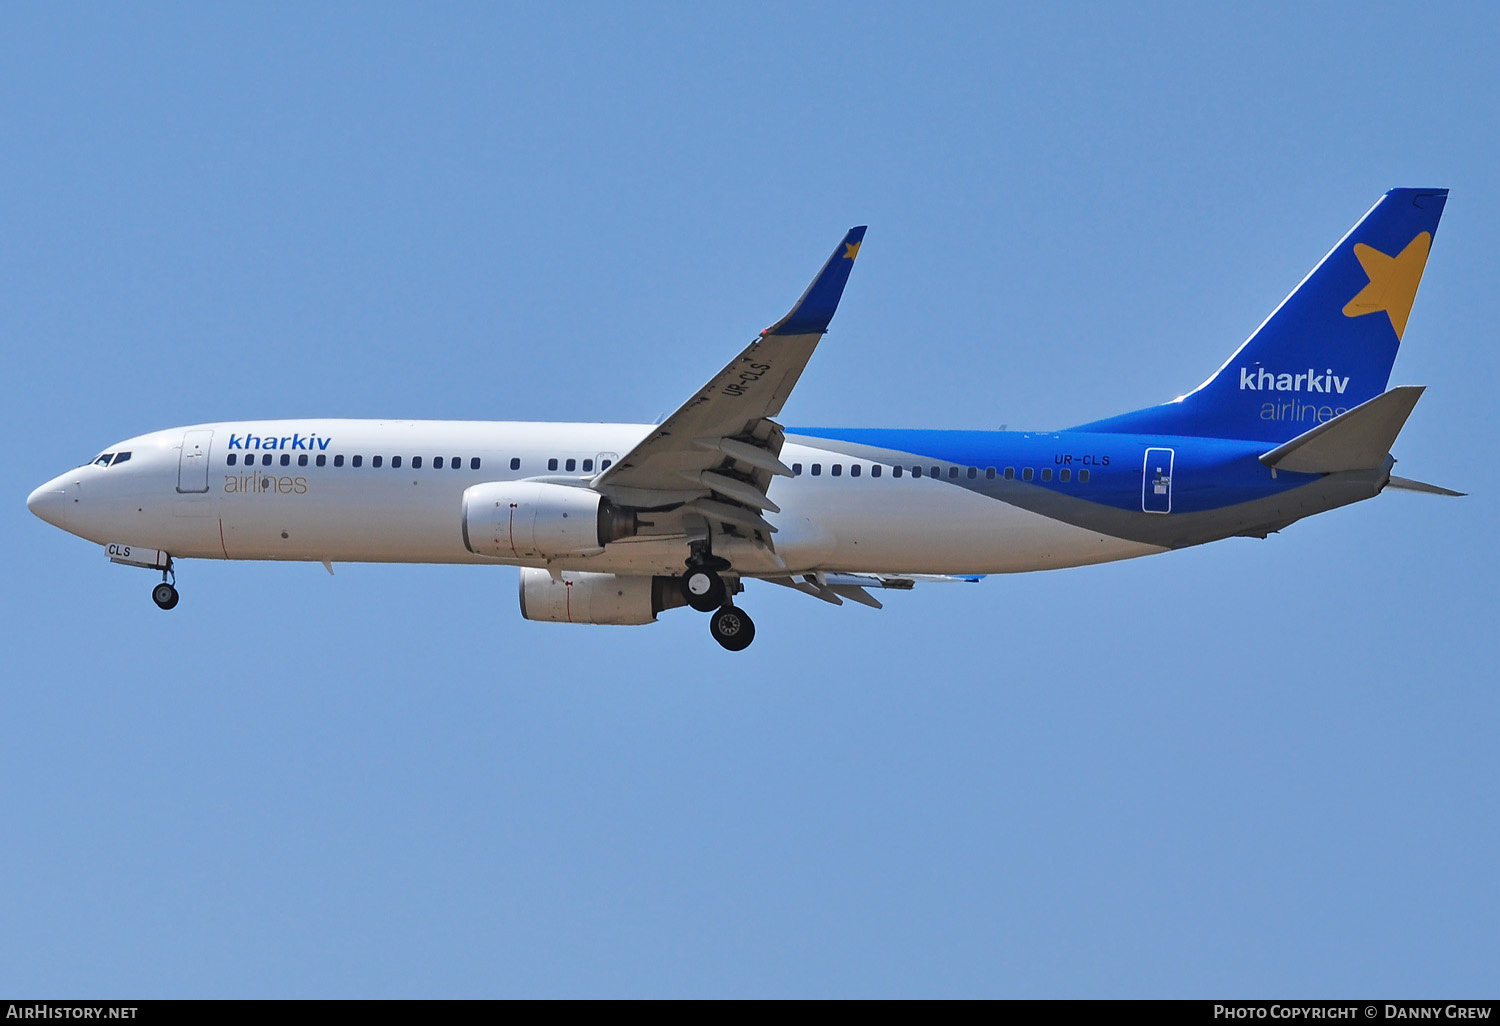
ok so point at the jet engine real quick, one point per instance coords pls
(578, 597)
(537, 520)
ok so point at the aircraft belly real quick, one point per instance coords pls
(952, 530)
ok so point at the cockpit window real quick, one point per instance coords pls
(103, 460)
(120, 457)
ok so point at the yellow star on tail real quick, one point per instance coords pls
(1393, 281)
(851, 250)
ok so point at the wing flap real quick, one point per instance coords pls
(835, 587)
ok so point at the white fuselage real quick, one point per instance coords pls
(278, 500)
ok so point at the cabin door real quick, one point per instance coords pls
(1156, 481)
(192, 465)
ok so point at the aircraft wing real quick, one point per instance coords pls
(720, 450)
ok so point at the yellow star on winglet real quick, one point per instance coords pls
(851, 250)
(1393, 281)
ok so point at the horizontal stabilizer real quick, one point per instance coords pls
(1406, 484)
(1358, 440)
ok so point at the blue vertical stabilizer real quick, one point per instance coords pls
(1326, 349)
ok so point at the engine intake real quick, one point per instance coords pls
(578, 597)
(537, 520)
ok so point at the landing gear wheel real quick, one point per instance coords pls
(732, 628)
(164, 595)
(703, 589)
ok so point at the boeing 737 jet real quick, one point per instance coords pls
(615, 523)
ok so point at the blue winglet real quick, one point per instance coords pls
(815, 309)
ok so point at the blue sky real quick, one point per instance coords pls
(1254, 768)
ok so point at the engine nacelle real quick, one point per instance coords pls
(537, 520)
(577, 597)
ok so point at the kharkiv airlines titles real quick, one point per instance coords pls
(1267, 381)
(294, 441)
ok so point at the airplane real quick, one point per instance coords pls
(617, 523)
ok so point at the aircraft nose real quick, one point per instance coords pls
(50, 502)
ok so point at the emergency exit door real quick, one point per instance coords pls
(192, 464)
(1156, 481)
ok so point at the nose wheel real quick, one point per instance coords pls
(165, 593)
(732, 628)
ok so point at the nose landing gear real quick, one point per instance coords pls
(165, 593)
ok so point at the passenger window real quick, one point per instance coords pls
(515, 463)
(338, 461)
(605, 464)
(989, 473)
(1010, 473)
(938, 471)
(474, 463)
(437, 463)
(897, 471)
(588, 466)
(796, 470)
(356, 461)
(973, 473)
(302, 460)
(455, 463)
(416, 463)
(1046, 473)
(1083, 477)
(1065, 474)
(875, 470)
(395, 462)
(838, 470)
(265, 460)
(552, 463)
(916, 471)
(817, 468)
(1026, 474)
(571, 465)
(854, 470)
(376, 461)
(286, 459)
(322, 459)
(230, 459)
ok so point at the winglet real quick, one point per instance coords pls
(816, 307)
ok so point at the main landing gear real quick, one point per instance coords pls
(706, 592)
(165, 593)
